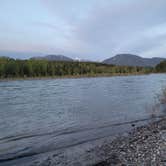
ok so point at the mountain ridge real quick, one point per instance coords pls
(52, 57)
(133, 60)
(119, 59)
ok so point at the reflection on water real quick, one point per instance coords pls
(42, 115)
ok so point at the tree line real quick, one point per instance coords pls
(161, 67)
(41, 68)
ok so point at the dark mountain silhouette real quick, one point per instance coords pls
(132, 60)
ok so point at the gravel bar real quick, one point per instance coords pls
(144, 146)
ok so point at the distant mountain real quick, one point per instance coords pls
(132, 60)
(53, 58)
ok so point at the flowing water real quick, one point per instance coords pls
(39, 116)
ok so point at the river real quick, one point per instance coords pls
(41, 116)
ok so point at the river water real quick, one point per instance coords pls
(39, 116)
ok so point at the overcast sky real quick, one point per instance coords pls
(88, 29)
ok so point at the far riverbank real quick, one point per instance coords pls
(74, 76)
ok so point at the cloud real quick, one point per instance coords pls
(111, 27)
(100, 29)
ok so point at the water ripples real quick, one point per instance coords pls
(43, 115)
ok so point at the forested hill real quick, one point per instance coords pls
(43, 68)
(133, 60)
(53, 58)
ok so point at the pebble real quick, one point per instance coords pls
(144, 146)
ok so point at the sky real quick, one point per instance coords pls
(86, 29)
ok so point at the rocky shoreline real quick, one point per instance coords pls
(142, 146)
(145, 145)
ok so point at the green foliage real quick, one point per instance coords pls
(41, 68)
(161, 67)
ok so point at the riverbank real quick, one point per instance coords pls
(73, 76)
(145, 145)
